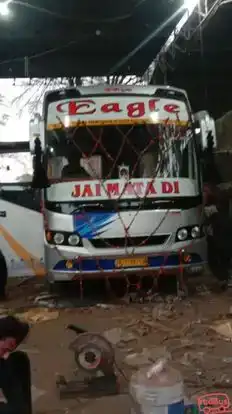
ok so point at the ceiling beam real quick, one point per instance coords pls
(186, 29)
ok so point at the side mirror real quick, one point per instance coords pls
(40, 178)
(37, 147)
(205, 132)
(36, 130)
(197, 131)
(205, 126)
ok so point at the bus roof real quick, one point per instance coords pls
(107, 90)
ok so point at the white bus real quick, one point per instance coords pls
(21, 226)
(125, 188)
(120, 175)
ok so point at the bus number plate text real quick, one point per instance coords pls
(132, 262)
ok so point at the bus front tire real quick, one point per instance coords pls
(51, 287)
(3, 277)
(55, 288)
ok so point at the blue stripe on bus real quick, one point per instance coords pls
(90, 225)
(109, 264)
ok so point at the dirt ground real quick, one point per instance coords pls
(195, 333)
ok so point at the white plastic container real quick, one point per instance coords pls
(158, 389)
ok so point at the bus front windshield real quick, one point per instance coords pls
(108, 152)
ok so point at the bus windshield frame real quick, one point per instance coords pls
(146, 151)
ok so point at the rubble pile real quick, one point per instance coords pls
(199, 348)
(193, 333)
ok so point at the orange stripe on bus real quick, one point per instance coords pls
(32, 261)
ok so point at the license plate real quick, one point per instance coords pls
(132, 262)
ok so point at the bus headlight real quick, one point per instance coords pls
(195, 232)
(58, 238)
(74, 240)
(182, 234)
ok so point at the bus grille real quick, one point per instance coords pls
(123, 242)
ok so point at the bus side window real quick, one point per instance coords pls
(23, 198)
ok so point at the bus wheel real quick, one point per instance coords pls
(51, 287)
(219, 262)
(3, 276)
(56, 288)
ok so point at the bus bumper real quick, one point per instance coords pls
(189, 258)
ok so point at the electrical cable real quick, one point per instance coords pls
(126, 228)
(145, 41)
(83, 20)
(40, 54)
(72, 42)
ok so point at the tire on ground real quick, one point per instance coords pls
(3, 273)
